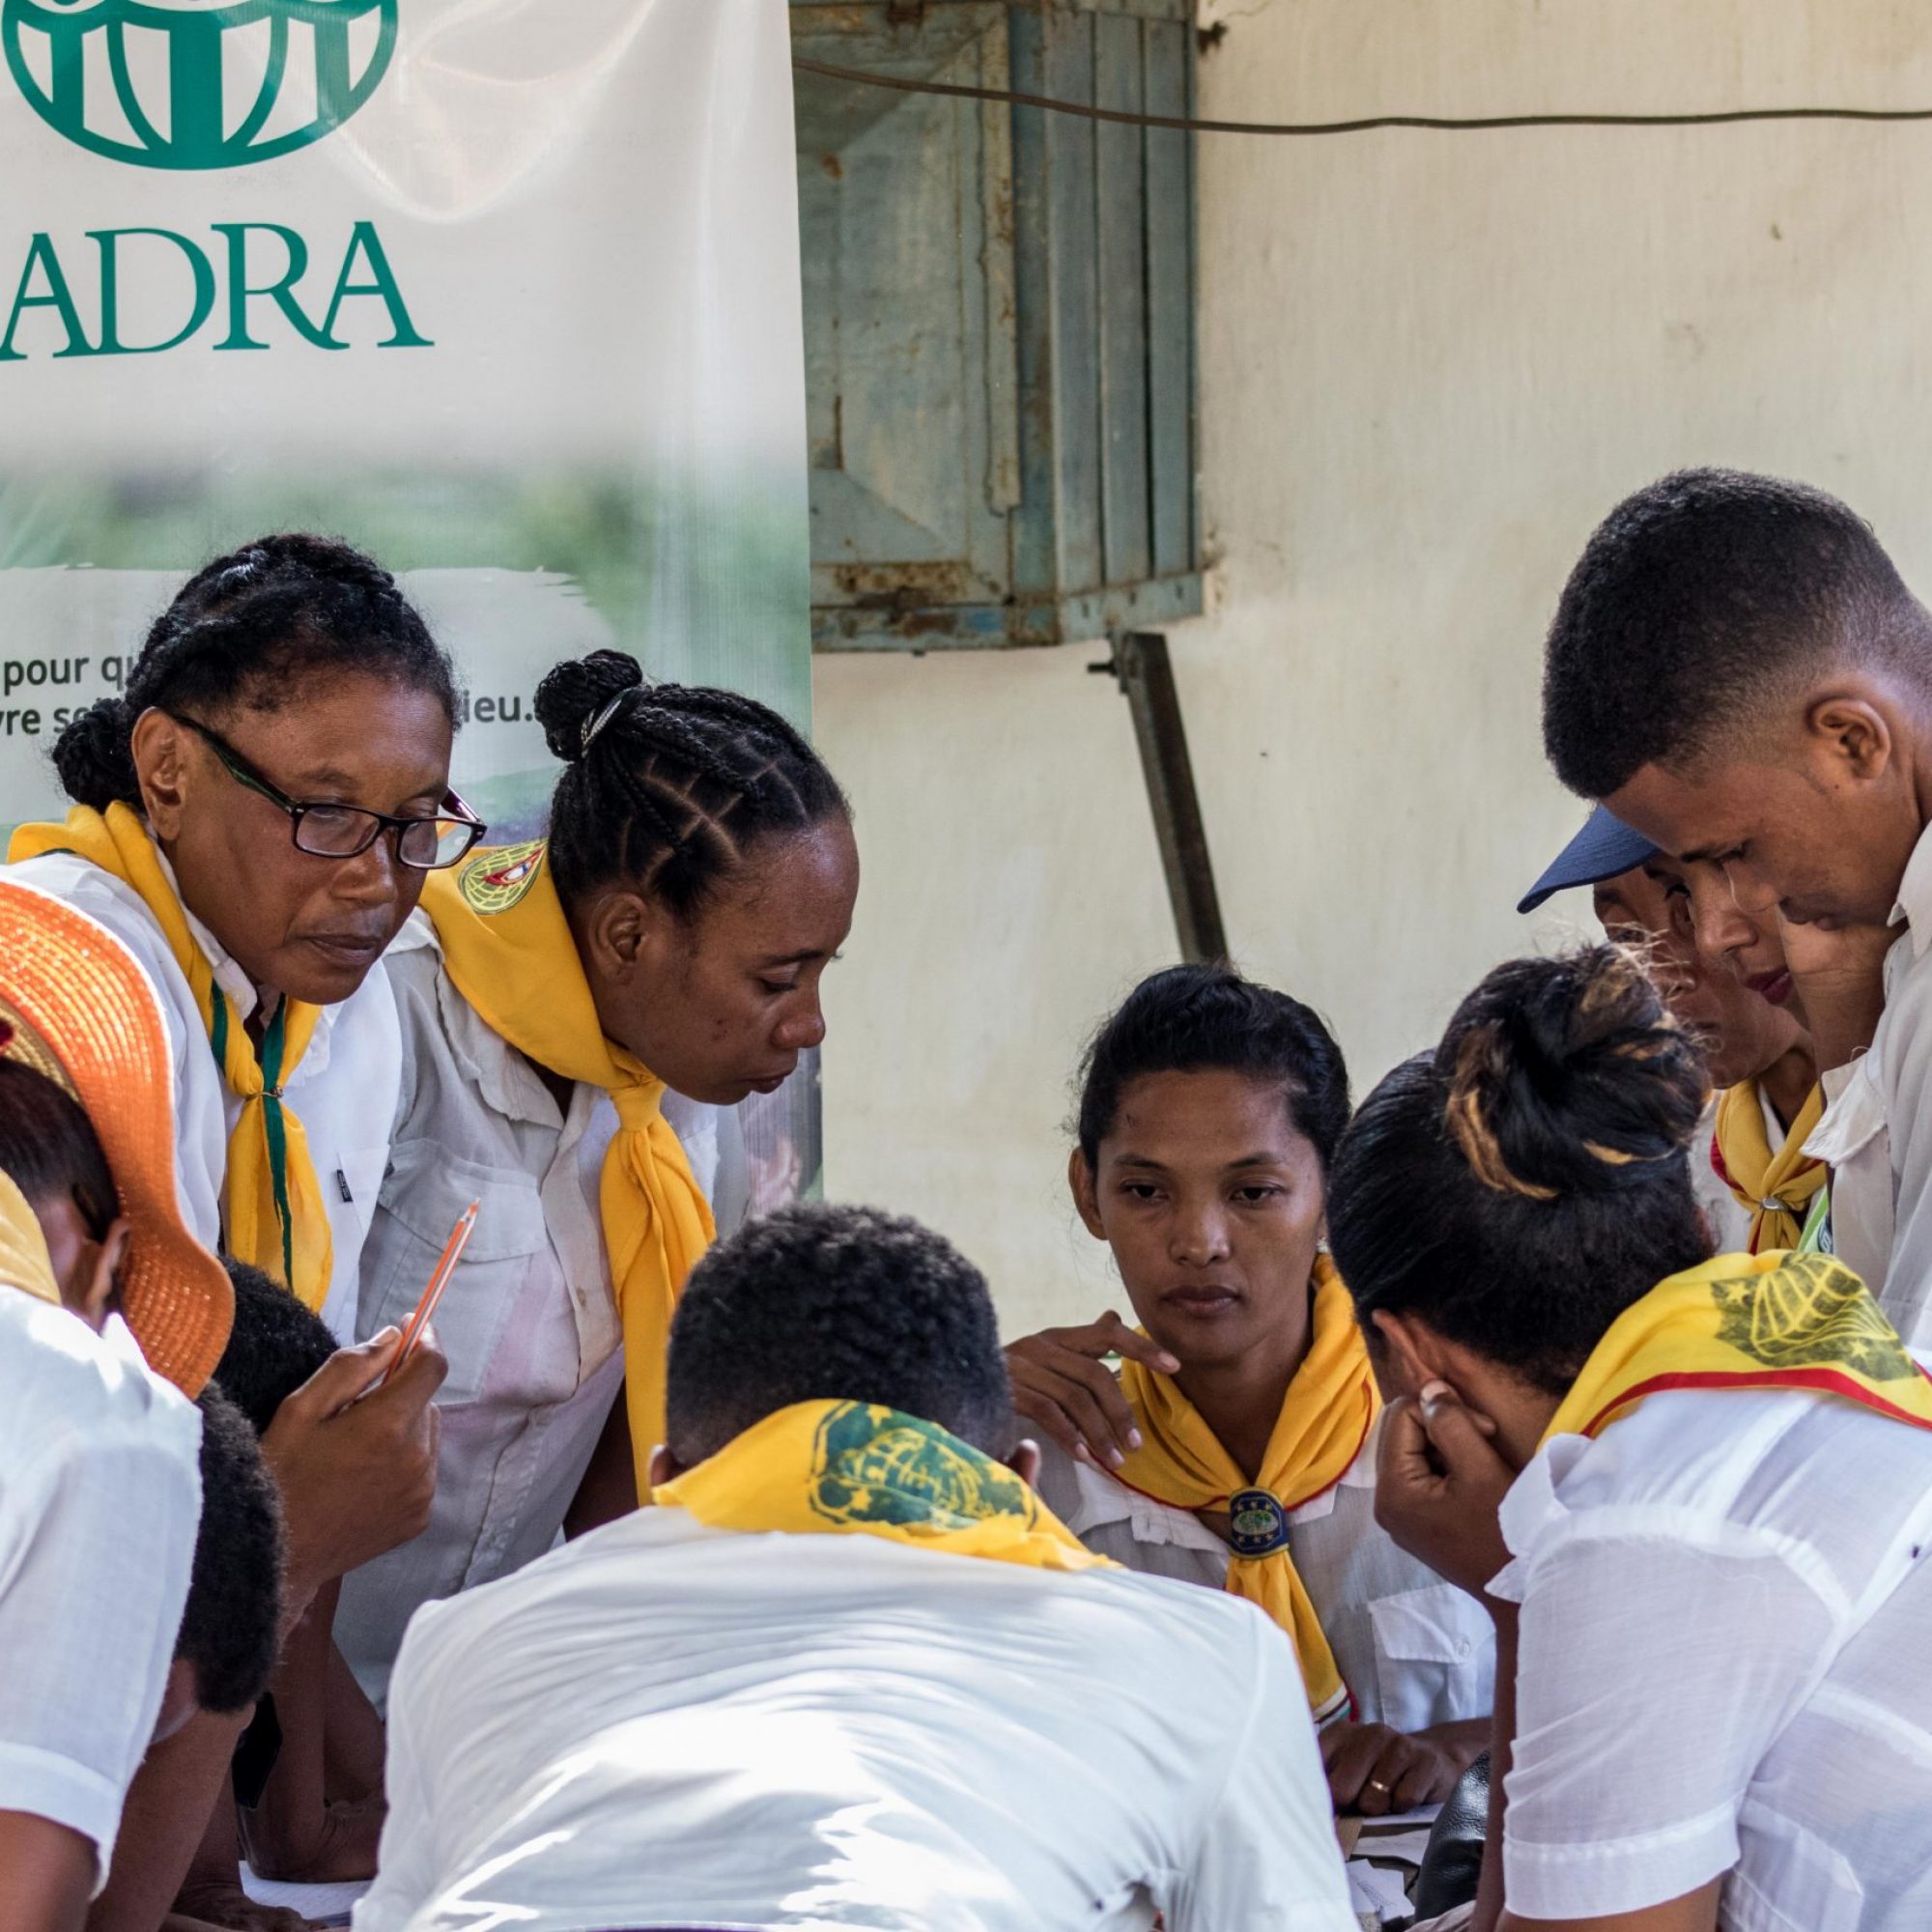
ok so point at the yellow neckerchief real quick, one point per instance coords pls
(853, 1468)
(24, 1261)
(1331, 1406)
(509, 951)
(272, 1206)
(1778, 1189)
(1753, 1322)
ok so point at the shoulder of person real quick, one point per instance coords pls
(66, 1389)
(429, 1004)
(1903, 1038)
(1173, 1626)
(592, 1570)
(1677, 1470)
(437, 1023)
(413, 965)
(1059, 1484)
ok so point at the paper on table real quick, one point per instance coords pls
(1404, 1837)
(320, 1904)
(1379, 1889)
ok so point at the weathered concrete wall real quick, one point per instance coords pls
(1428, 363)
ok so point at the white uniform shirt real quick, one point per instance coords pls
(1414, 1650)
(1725, 1666)
(343, 1090)
(529, 1324)
(1729, 1218)
(99, 1498)
(1876, 1132)
(666, 1725)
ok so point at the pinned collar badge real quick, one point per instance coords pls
(1257, 1524)
(501, 875)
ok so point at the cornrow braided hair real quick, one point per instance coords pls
(668, 786)
(246, 628)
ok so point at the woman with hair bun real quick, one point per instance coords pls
(666, 939)
(254, 818)
(1236, 1448)
(1695, 1493)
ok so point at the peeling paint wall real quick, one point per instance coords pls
(1428, 363)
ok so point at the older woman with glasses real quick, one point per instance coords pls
(255, 818)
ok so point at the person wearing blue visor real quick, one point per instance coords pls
(1725, 977)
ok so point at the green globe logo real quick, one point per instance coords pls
(193, 84)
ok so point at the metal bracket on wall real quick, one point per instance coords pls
(1145, 672)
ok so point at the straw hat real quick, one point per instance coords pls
(83, 1012)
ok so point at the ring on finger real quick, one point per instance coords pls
(1386, 1790)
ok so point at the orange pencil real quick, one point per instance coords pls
(446, 1268)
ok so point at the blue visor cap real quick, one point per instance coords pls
(1604, 847)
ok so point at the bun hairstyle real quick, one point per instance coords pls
(1564, 1074)
(245, 630)
(1522, 1185)
(668, 786)
(1193, 1019)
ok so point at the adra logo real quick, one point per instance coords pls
(197, 84)
(193, 86)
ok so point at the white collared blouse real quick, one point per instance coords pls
(99, 1499)
(1725, 1666)
(1877, 1131)
(530, 1323)
(1414, 1650)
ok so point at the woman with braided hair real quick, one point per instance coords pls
(254, 818)
(1694, 1493)
(665, 940)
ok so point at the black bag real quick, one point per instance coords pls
(1452, 1866)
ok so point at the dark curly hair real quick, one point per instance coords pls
(230, 1629)
(835, 1304)
(1526, 1183)
(668, 785)
(1696, 601)
(246, 630)
(49, 1148)
(1194, 1019)
(274, 1346)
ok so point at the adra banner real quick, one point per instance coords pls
(504, 291)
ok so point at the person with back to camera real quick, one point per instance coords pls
(1236, 1449)
(1694, 1492)
(665, 940)
(849, 1671)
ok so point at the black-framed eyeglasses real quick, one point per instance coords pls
(343, 831)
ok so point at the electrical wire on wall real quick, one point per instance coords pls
(1433, 122)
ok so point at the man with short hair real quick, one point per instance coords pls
(849, 1671)
(1737, 670)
